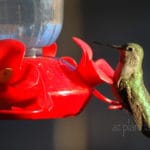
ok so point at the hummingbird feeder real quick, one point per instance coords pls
(34, 84)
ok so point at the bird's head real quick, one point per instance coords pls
(131, 54)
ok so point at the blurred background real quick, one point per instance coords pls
(96, 128)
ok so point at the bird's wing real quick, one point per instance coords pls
(130, 103)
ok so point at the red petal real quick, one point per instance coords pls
(86, 51)
(91, 72)
(94, 75)
(105, 99)
(25, 88)
(70, 60)
(11, 56)
(102, 74)
(103, 65)
(11, 53)
(50, 51)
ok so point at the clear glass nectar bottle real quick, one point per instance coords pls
(37, 23)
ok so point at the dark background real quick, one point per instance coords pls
(96, 128)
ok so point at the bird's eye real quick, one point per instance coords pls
(130, 49)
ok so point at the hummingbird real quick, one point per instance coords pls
(129, 86)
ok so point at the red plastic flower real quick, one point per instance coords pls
(48, 87)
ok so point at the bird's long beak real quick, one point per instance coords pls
(118, 47)
(5, 75)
